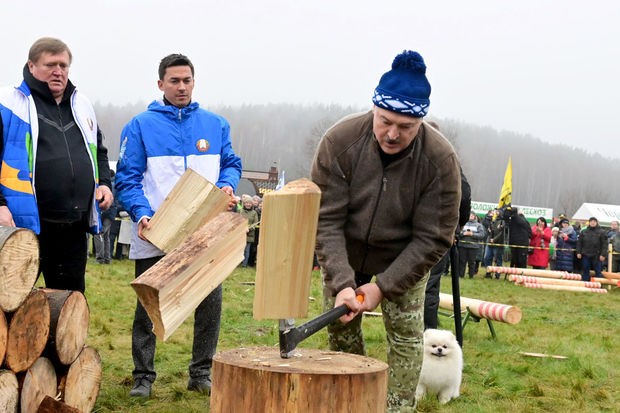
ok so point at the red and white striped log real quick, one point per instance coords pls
(484, 309)
(606, 281)
(565, 288)
(564, 275)
(520, 279)
(611, 275)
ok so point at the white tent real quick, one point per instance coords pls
(604, 213)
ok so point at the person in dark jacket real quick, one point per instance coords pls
(51, 146)
(519, 234)
(591, 249)
(565, 247)
(390, 192)
(103, 249)
(495, 247)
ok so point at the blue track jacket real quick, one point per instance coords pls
(157, 146)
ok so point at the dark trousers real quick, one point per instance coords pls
(62, 251)
(431, 297)
(590, 263)
(467, 256)
(518, 257)
(206, 333)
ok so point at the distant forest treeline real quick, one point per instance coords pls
(285, 135)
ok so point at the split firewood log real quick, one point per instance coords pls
(51, 405)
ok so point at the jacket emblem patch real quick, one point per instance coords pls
(90, 123)
(202, 145)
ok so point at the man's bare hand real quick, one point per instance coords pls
(6, 218)
(145, 223)
(347, 296)
(372, 296)
(231, 194)
(105, 197)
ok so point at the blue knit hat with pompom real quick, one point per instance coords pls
(404, 89)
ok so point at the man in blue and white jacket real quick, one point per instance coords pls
(157, 146)
(54, 175)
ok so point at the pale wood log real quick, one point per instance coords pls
(4, 332)
(38, 381)
(316, 381)
(51, 405)
(519, 279)
(565, 275)
(285, 251)
(28, 332)
(172, 289)
(484, 309)
(190, 204)
(9, 391)
(565, 288)
(81, 384)
(606, 281)
(610, 257)
(69, 316)
(19, 266)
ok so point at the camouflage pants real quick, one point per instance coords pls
(404, 326)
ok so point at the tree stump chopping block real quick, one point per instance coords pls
(258, 380)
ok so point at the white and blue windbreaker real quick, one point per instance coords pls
(157, 146)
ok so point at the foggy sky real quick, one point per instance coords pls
(544, 68)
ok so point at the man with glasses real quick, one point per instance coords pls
(55, 174)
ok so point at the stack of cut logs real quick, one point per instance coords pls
(44, 363)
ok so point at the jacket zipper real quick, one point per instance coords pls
(64, 135)
(382, 188)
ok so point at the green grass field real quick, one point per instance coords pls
(497, 378)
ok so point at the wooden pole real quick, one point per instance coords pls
(520, 279)
(28, 332)
(80, 386)
(315, 381)
(39, 381)
(565, 288)
(610, 257)
(172, 289)
(610, 275)
(190, 204)
(19, 266)
(69, 317)
(606, 281)
(484, 309)
(9, 391)
(285, 251)
(533, 272)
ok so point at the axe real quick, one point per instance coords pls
(290, 335)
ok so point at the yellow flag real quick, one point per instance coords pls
(505, 198)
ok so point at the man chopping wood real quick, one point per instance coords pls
(391, 189)
(157, 146)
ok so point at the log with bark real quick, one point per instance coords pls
(19, 266)
(313, 381)
(28, 332)
(69, 316)
(174, 287)
(285, 251)
(9, 391)
(190, 204)
(38, 381)
(51, 405)
(81, 384)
